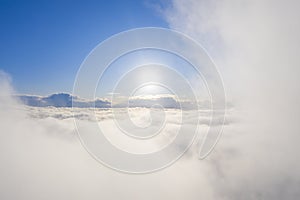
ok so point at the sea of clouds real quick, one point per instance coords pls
(42, 158)
(256, 48)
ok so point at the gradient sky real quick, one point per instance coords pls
(43, 43)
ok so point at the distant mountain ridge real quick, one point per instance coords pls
(61, 100)
(68, 100)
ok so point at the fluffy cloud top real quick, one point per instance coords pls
(41, 158)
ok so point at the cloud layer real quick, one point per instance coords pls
(42, 158)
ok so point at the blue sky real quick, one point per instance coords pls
(43, 43)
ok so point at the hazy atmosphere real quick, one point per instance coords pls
(150, 100)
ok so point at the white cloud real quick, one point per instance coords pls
(41, 158)
(255, 45)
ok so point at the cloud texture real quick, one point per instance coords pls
(42, 158)
(255, 45)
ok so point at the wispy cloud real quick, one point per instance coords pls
(255, 45)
